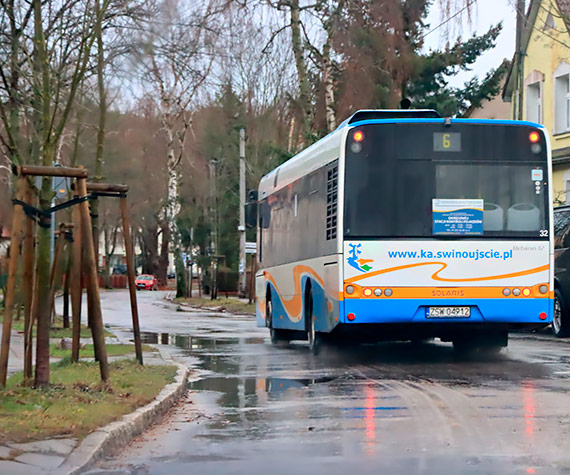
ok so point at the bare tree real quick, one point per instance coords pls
(175, 58)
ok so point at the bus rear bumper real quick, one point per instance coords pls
(514, 312)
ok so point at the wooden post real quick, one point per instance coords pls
(76, 288)
(131, 277)
(17, 222)
(28, 255)
(67, 275)
(55, 278)
(97, 329)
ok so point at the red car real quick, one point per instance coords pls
(146, 282)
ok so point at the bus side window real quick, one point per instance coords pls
(264, 214)
(264, 211)
(260, 250)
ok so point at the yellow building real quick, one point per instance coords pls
(546, 83)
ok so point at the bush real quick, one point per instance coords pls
(227, 279)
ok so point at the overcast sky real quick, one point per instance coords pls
(484, 14)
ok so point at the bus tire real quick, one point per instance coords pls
(493, 343)
(314, 337)
(560, 319)
(464, 346)
(275, 335)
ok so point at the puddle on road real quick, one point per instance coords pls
(187, 342)
(237, 388)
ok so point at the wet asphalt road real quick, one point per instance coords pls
(389, 408)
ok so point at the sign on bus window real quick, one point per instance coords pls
(452, 216)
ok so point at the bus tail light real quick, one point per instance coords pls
(534, 137)
(506, 292)
(359, 136)
(543, 289)
(516, 292)
(378, 292)
(349, 289)
(388, 292)
(351, 316)
(367, 292)
(542, 316)
(526, 292)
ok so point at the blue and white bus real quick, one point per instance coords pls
(402, 225)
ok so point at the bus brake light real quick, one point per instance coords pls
(533, 137)
(358, 136)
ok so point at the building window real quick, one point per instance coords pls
(549, 23)
(534, 102)
(561, 104)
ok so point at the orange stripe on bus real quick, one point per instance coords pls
(447, 292)
(294, 305)
(436, 276)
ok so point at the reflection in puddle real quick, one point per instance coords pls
(529, 407)
(244, 392)
(370, 422)
(188, 342)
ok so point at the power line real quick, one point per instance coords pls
(450, 18)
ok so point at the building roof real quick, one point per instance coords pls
(530, 19)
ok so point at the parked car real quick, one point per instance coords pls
(561, 319)
(146, 282)
(120, 269)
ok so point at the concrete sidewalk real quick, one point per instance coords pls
(44, 456)
(16, 357)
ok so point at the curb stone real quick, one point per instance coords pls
(117, 434)
(210, 310)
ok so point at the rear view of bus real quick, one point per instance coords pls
(447, 229)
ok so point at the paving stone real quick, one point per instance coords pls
(15, 468)
(47, 462)
(49, 446)
(5, 451)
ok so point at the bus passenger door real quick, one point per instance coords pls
(331, 305)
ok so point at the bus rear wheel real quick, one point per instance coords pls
(489, 343)
(561, 318)
(315, 338)
(275, 335)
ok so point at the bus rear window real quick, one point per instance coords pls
(396, 173)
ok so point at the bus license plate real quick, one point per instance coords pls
(448, 312)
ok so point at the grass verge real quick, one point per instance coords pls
(225, 305)
(76, 403)
(57, 330)
(87, 351)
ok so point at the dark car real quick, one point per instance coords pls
(561, 319)
(120, 269)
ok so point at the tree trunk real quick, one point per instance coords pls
(149, 246)
(14, 103)
(163, 258)
(42, 82)
(43, 308)
(329, 86)
(100, 129)
(302, 75)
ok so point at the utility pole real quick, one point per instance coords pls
(520, 25)
(241, 227)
